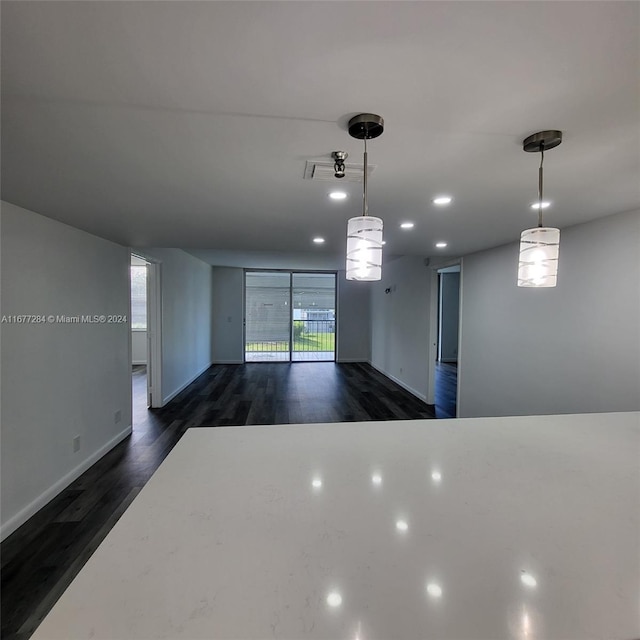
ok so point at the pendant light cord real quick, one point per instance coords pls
(540, 185)
(365, 204)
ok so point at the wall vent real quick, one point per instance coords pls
(323, 170)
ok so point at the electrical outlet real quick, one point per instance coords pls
(117, 416)
(76, 444)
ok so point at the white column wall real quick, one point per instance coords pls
(59, 380)
(574, 348)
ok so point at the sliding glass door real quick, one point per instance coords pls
(290, 316)
(267, 316)
(314, 316)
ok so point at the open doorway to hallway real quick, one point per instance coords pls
(146, 331)
(139, 339)
(446, 369)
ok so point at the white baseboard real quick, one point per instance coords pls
(173, 394)
(348, 360)
(35, 505)
(405, 386)
(228, 362)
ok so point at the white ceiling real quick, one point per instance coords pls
(187, 124)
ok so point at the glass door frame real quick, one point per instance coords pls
(291, 273)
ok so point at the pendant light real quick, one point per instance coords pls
(540, 246)
(364, 233)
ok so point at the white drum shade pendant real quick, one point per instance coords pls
(364, 248)
(538, 265)
(540, 246)
(364, 233)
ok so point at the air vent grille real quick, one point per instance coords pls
(323, 170)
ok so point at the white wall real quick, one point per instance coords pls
(138, 346)
(291, 261)
(59, 380)
(186, 317)
(449, 316)
(400, 323)
(571, 349)
(227, 325)
(354, 320)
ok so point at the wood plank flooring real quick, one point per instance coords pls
(43, 556)
(446, 389)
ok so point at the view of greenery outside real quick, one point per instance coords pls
(304, 342)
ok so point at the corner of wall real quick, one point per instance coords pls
(17, 520)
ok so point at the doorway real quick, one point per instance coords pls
(146, 326)
(444, 355)
(290, 316)
(139, 343)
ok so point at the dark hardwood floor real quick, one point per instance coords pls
(42, 557)
(446, 389)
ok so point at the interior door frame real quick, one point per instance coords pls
(154, 335)
(154, 329)
(434, 266)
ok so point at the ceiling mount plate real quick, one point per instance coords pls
(547, 139)
(366, 126)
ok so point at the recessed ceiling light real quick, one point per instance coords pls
(434, 590)
(441, 245)
(436, 476)
(334, 599)
(402, 525)
(338, 195)
(442, 200)
(407, 225)
(318, 240)
(376, 478)
(384, 242)
(317, 483)
(528, 579)
(541, 205)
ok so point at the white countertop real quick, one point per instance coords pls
(376, 531)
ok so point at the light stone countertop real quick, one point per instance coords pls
(488, 528)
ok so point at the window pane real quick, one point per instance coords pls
(314, 316)
(268, 328)
(139, 297)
